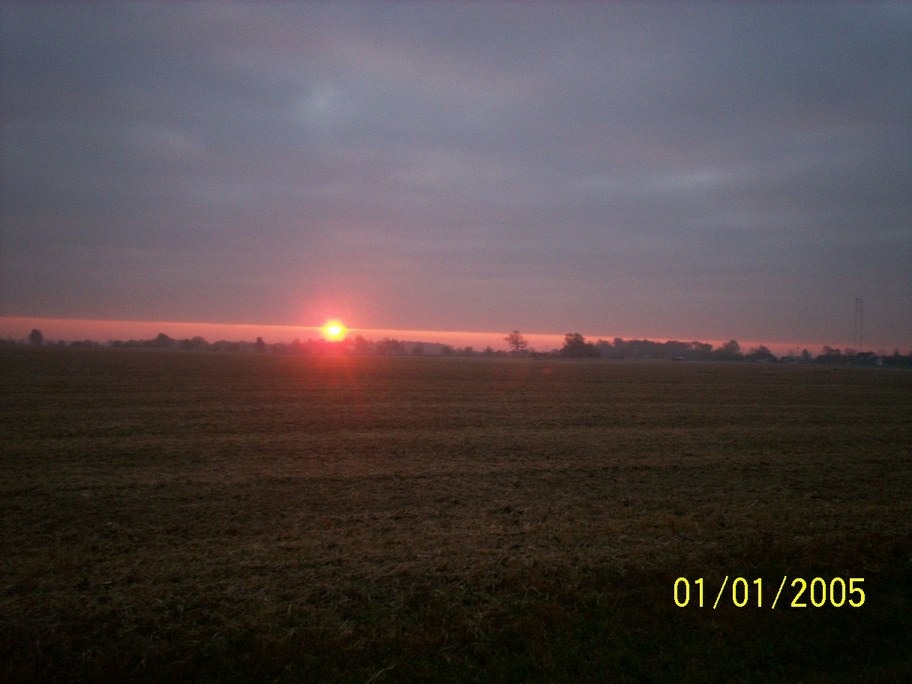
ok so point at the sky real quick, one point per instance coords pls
(661, 170)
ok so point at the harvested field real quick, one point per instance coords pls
(240, 517)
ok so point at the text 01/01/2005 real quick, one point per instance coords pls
(816, 593)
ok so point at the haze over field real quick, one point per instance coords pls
(690, 171)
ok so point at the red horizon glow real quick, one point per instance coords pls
(103, 331)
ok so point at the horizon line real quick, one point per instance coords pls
(76, 329)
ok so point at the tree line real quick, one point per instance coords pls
(575, 346)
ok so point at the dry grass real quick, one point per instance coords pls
(239, 517)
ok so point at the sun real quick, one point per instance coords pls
(334, 331)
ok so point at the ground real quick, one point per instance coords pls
(246, 517)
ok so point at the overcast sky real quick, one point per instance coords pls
(690, 171)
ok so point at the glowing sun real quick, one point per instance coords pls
(334, 331)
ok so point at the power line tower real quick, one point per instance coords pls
(859, 324)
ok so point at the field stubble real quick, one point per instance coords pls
(241, 517)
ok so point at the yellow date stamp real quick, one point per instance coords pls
(837, 592)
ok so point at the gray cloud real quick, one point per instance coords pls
(641, 169)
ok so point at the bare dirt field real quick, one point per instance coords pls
(231, 517)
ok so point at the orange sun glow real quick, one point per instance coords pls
(334, 331)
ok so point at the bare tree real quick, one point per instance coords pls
(518, 343)
(575, 345)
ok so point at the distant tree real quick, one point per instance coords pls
(163, 341)
(700, 349)
(518, 344)
(731, 350)
(260, 345)
(418, 349)
(36, 338)
(361, 346)
(390, 347)
(575, 346)
(761, 353)
(194, 344)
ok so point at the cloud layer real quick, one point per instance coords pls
(672, 170)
